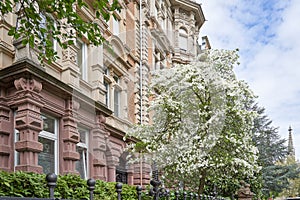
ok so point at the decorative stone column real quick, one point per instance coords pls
(6, 135)
(29, 123)
(113, 154)
(70, 137)
(100, 137)
(130, 173)
(244, 193)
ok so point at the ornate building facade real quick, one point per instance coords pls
(71, 116)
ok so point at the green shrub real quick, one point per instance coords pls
(24, 184)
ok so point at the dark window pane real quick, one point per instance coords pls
(46, 157)
(48, 124)
(121, 176)
(81, 164)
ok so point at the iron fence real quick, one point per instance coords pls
(156, 192)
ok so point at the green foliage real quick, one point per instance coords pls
(24, 184)
(40, 22)
(273, 177)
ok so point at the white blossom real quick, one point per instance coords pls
(200, 117)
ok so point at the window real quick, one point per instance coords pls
(45, 32)
(82, 148)
(116, 26)
(106, 83)
(82, 59)
(183, 39)
(17, 155)
(121, 176)
(48, 158)
(155, 10)
(117, 96)
(121, 169)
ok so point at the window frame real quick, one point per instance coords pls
(183, 39)
(117, 96)
(85, 155)
(107, 84)
(53, 137)
(116, 22)
(117, 101)
(82, 63)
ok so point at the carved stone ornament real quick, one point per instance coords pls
(28, 84)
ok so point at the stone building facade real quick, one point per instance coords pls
(70, 116)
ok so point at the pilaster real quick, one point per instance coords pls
(29, 123)
(70, 137)
(100, 137)
(113, 154)
(6, 135)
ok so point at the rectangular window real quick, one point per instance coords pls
(48, 158)
(121, 176)
(183, 42)
(17, 155)
(183, 39)
(106, 85)
(116, 26)
(82, 148)
(82, 59)
(117, 95)
(155, 11)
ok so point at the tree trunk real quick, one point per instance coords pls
(202, 182)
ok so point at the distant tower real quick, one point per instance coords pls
(291, 150)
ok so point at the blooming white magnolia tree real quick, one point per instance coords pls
(201, 124)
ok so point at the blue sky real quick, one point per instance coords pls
(267, 33)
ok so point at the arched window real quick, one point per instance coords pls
(183, 39)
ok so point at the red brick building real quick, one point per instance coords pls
(71, 116)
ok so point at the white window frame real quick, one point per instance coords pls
(85, 154)
(83, 63)
(107, 85)
(116, 26)
(155, 12)
(53, 137)
(107, 93)
(17, 156)
(183, 39)
(117, 101)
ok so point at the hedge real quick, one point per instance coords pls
(26, 184)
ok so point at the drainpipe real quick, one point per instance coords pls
(141, 85)
(141, 63)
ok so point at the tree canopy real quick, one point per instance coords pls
(202, 123)
(276, 172)
(41, 22)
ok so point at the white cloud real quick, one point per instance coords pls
(267, 33)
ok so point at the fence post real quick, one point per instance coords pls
(176, 194)
(156, 191)
(167, 194)
(191, 196)
(139, 192)
(91, 187)
(119, 190)
(51, 182)
(184, 195)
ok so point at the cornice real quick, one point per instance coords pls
(28, 69)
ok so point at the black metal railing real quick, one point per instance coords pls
(156, 192)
